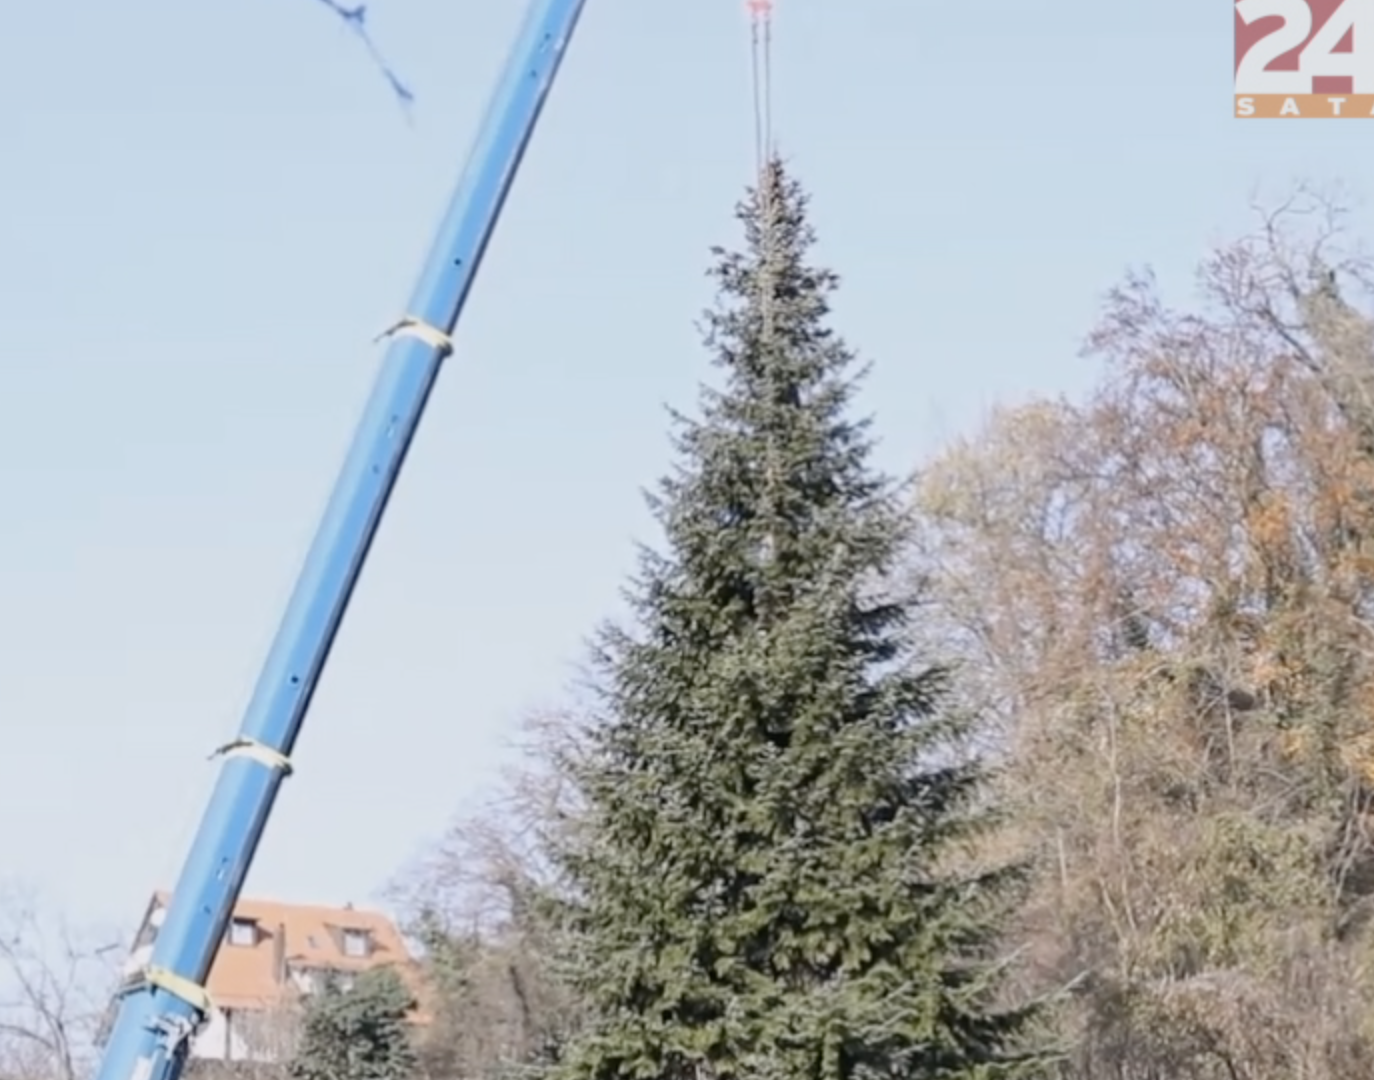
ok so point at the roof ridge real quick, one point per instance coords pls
(164, 896)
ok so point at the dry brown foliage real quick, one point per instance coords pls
(1164, 596)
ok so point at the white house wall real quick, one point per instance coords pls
(222, 1038)
(212, 1040)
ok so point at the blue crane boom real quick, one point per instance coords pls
(157, 1015)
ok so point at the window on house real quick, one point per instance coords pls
(243, 932)
(356, 943)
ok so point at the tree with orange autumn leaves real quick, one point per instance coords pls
(1164, 596)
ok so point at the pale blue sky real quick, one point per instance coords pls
(209, 209)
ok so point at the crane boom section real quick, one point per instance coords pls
(159, 1012)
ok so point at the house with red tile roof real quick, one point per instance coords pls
(273, 955)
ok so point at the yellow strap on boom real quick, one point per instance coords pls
(193, 994)
(431, 335)
(259, 752)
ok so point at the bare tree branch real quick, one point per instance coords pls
(53, 983)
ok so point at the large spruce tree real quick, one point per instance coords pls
(763, 885)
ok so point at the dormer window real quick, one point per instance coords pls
(356, 942)
(242, 932)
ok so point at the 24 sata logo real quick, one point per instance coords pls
(1304, 58)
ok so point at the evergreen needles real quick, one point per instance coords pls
(765, 884)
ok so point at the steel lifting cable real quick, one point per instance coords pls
(760, 35)
(761, 69)
(761, 41)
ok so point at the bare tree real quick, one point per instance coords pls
(479, 904)
(54, 983)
